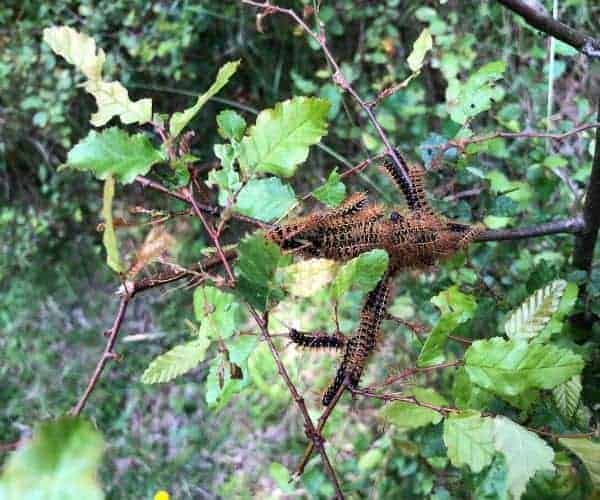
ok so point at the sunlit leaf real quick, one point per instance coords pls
(362, 272)
(281, 138)
(525, 453)
(333, 192)
(112, 99)
(109, 238)
(218, 312)
(422, 45)
(77, 49)
(114, 152)
(307, 277)
(180, 119)
(265, 199)
(226, 178)
(179, 360)
(534, 314)
(470, 440)
(61, 461)
(509, 367)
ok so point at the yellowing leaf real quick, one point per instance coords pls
(307, 277)
(534, 314)
(112, 99)
(109, 238)
(77, 49)
(469, 439)
(180, 119)
(422, 45)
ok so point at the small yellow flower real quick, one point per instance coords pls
(161, 495)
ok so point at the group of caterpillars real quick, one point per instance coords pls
(414, 237)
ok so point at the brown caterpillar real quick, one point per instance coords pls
(416, 237)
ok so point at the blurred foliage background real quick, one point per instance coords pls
(56, 295)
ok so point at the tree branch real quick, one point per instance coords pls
(573, 225)
(586, 241)
(544, 22)
(310, 430)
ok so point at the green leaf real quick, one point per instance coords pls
(109, 238)
(218, 312)
(470, 440)
(406, 416)
(588, 452)
(177, 361)
(280, 140)
(77, 49)
(362, 272)
(478, 93)
(524, 451)
(180, 119)
(422, 45)
(333, 192)
(265, 199)
(509, 367)
(307, 277)
(113, 99)
(240, 347)
(61, 461)
(457, 308)
(226, 178)
(114, 152)
(231, 125)
(220, 386)
(281, 475)
(534, 314)
(255, 267)
(567, 396)
(370, 459)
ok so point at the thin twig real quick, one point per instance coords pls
(573, 225)
(310, 429)
(340, 80)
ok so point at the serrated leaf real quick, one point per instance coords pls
(179, 360)
(307, 277)
(61, 461)
(457, 308)
(231, 125)
(469, 438)
(255, 267)
(114, 152)
(362, 272)
(281, 138)
(534, 314)
(109, 238)
(265, 199)
(421, 46)
(218, 312)
(180, 119)
(226, 178)
(567, 396)
(333, 192)
(588, 452)
(77, 49)
(524, 451)
(113, 99)
(510, 367)
(478, 93)
(406, 416)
